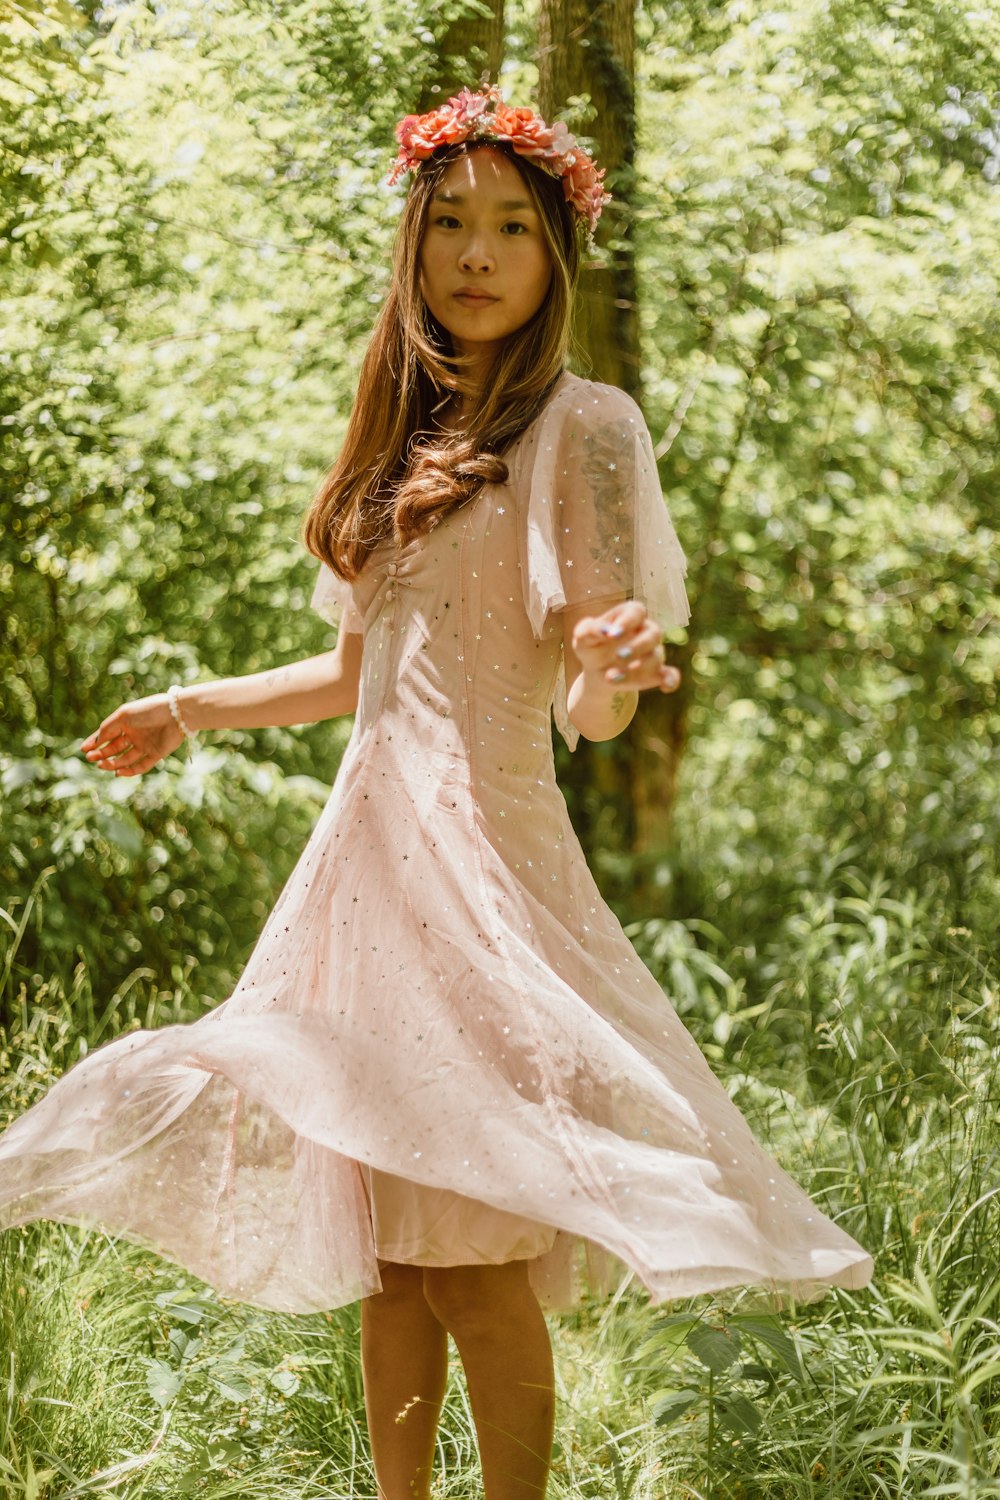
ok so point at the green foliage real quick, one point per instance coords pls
(110, 1353)
(870, 1066)
(718, 1349)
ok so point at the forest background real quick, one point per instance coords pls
(799, 280)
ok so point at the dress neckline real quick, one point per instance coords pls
(558, 386)
(563, 383)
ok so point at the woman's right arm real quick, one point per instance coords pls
(140, 733)
(319, 687)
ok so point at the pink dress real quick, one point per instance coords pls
(443, 1049)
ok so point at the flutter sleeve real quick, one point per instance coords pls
(594, 524)
(333, 599)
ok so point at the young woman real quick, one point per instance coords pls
(445, 1071)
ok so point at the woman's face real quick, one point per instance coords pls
(484, 265)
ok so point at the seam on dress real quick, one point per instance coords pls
(579, 1161)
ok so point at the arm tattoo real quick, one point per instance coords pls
(618, 704)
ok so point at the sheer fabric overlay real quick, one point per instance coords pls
(443, 1048)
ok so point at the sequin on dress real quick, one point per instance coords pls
(443, 1048)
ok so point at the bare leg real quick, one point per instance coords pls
(404, 1360)
(496, 1322)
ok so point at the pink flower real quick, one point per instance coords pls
(470, 106)
(562, 141)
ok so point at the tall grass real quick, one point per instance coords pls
(856, 1028)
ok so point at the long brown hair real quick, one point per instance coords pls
(394, 477)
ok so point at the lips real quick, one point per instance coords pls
(474, 297)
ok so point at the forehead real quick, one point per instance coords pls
(485, 176)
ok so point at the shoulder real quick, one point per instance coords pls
(603, 438)
(581, 405)
(582, 420)
(590, 404)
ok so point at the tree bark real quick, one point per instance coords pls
(470, 46)
(586, 48)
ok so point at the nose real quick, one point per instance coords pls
(476, 257)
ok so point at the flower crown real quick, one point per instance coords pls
(469, 116)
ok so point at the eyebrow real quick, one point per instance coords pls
(511, 203)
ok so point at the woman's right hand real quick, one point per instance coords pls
(133, 738)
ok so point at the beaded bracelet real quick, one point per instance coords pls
(172, 691)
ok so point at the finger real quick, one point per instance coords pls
(651, 674)
(622, 619)
(107, 754)
(636, 654)
(136, 765)
(112, 730)
(104, 752)
(639, 643)
(596, 629)
(112, 766)
(587, 632)
(647, 671)
(110, 757)
(611, 624)
(133, 755)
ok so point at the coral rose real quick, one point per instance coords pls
(527, 132)
(422, 134)
(419, 136)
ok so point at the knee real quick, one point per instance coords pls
(475, 1300)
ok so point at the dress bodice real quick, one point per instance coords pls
(464, 620)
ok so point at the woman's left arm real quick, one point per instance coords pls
(610, 658)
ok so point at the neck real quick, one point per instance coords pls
(481, 359)
(454, 415)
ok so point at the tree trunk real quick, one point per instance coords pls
(590, 49)
(470, 46)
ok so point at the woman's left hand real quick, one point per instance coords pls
(624, 647)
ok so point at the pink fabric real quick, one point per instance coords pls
(443, 1048)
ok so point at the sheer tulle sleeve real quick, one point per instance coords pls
(333, 599)
(594, 524)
